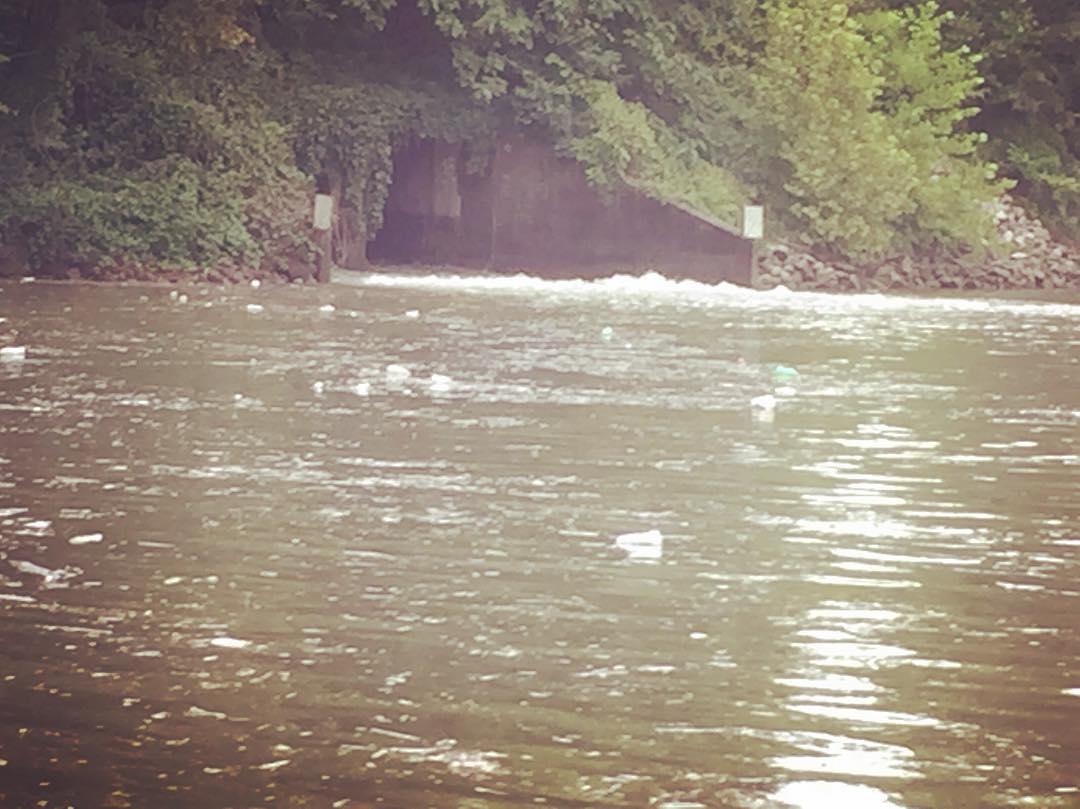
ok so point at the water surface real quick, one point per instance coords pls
(244, 564)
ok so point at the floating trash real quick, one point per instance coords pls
(254, 308)
(201, 713)
(12, 353)
(766, 402)
(255, 283)
(641, 545)
(50, 579)
(361, 388)
(413, 314)
(327, 307)
(607, 333)
(784, 374)
(275, 765)
(440, 383)
(820, 794)
(86, 539)
(318, 388)
(173, 295)
(230, 643)
(397, 373)
(182, 299)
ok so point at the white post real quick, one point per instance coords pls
(753, 221)
(322, 220)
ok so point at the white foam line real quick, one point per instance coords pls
(656, 286)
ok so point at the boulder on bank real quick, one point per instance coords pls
(1034, 261)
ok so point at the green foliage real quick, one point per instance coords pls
(111, 217)
(1030, 105)
(624, 142)
(845, 176)
(192, 131)
(124, 159)
(863, 113)
(1049, 173)
(599, 80)
(350, 130)
(927, 96)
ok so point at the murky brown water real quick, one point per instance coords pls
(231, 578)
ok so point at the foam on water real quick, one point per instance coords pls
(653, 287)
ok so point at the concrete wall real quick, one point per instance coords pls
(535, 211)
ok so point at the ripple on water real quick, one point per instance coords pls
(867, 601)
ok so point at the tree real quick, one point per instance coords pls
(169, 132)
(1031, 102)
(862, 116)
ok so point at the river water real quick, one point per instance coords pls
(246, 561)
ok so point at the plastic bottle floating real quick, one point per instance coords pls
(13, 353)
(641, 545)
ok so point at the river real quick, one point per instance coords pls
(356, 546)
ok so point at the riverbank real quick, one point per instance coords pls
(1034, 260)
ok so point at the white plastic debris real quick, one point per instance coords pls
(182, 299)
(201, 713)
(327, 307)
(397, 373)
(230, 643)
(275, 765)
(173, 295)
(86, 539)
(641, 545)
(254, 308)
(255, 283)
(362, 388)
(412, 314)
(318, 388)
(12, 353)
(49, 578)
(440, 383)
(766, 402)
